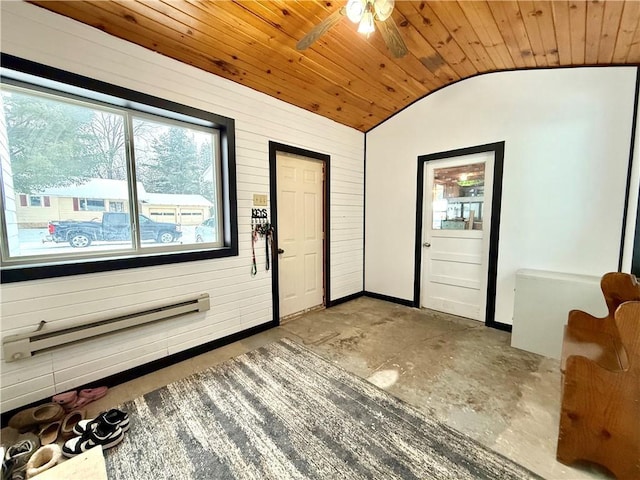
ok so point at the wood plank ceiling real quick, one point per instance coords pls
(354, 80)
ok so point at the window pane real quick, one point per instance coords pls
(458, 197)
(72, 155)
(176, 182)
(116, 206)
(68, 194)
(92, 204)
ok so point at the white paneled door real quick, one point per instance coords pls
(300, 233)
(456, 226)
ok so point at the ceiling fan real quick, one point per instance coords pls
(367, 14)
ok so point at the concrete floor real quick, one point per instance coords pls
(454, 369)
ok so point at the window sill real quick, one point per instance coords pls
(21, 273)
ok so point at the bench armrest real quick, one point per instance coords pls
(599, 347)
(585, 321)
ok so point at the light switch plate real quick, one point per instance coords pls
(259, 200)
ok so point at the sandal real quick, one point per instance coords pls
(27, 419)
(70, 421)
(49, 433)
(93, 393)
(65, 400)
(87, 396)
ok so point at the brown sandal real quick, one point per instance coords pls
(70, 421)
(27, 419)
(49, 433)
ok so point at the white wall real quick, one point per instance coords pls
(567, 135)
(238, 300)
(634, 191)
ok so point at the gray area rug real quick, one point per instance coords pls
(282, 412)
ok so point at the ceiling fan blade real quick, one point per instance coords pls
(320, 29)
(393, 39)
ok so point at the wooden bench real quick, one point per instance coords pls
(598, 338)
(600, 413)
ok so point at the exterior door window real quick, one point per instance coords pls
(458, 197)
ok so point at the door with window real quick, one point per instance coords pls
(300, 203)
(456, 226)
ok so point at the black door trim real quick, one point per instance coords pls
(274, 148)
(635, 252)
(496, 204)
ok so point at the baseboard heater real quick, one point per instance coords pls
(16, 347)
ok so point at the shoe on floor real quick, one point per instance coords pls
(100, 434)
(49, 432)
(66, 399)
(114, 418)
(44, 458)
(69, 423)
(17, 456)
(93, 393)
(27, 419)
(86, 396)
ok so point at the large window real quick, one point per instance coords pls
(128, 179)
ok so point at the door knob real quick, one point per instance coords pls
(426, 244)
(280, 251)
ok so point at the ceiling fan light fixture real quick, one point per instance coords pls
(383, 8)
(367, 26)
(366, 13)
(355, 10)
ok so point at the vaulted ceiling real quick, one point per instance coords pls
(354, 80)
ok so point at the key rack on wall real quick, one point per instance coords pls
(259, 216)
(261, 228)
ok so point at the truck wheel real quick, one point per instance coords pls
(165, 237)
(79, 240)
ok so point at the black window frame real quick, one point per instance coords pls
(226, 128)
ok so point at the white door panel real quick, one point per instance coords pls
(300, 233)
(286, 208)
(444, 303)
(457, 212)
(310, 273)
(457, 281)
(287, 272)
(310, 218)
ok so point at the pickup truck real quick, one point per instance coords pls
(115, 226)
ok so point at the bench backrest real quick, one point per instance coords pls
(627, 318)
(617, 288)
